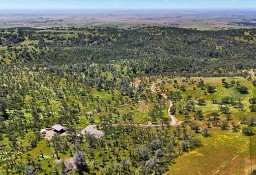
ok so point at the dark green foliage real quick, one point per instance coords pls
(202, 102)
(252, 101)
(235, 127)
(199, 115)
(253, 108)
(253, 172)
(183, 88)
(205, 132)
(227, 100)
(224, 125)
(252, 121)
(243, 90)
(80, 162)
(248, 131)
(225, 110)
(143, 153)
(254, 82)
(175, 53)
(175, 96)
(211, 89)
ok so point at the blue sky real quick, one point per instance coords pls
(125, 4)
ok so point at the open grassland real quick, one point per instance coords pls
(201, 20)
(223, 153)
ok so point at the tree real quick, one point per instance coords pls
(253, 108)
(80, 162)
(227, 100)
(216, 118)
(125, 163)
(224, 125)
(183, 88)
(143, 153)
(243, 90)
(195, 143)
(254, 83)
(199, 115)
(252, 101)
(64, 169)
(205, 132)
(225, 110)
(235, 127)
(117, 168)
(30, 170)
(155, 144)
(252, 121)
(253, 172)
(151, 163)
(175, 96)
(159, 153)
(248, 131)
(201, 102)
(211, 89)
(228, 117)
(190, 106)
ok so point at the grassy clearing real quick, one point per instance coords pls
(223, 153)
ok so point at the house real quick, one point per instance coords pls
(58, 128)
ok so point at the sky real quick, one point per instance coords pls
(126, 4)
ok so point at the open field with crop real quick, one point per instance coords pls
(196, 19)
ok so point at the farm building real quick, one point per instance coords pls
(58, 128)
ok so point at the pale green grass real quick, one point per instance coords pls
(223, 151)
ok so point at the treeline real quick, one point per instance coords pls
(147, 50)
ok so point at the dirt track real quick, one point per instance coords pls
(174, 121)
(91, 129)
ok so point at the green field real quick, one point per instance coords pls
(223, 153)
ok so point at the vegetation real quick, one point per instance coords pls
(104, 76)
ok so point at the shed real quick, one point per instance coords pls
(58, 128)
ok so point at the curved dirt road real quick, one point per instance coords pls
(91, 129)
(174, 121)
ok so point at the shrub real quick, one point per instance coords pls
(243, 90)
(211, 89)
(248, 131)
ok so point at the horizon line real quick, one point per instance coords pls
(111, 9)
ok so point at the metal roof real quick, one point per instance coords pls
(57, 127)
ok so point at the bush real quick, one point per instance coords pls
(211, 89)
(253, 108)
(225, 110)
(248, 131)
(253, 172)
(80, 162)
(183, 88)
(195, 143)
(252, 100)
(243, 90)
(254, 83)
(227, 100)
(201, 102)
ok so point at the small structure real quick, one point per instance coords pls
(92, 131)
(48, 133)
(43, 131)
(58, 128)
